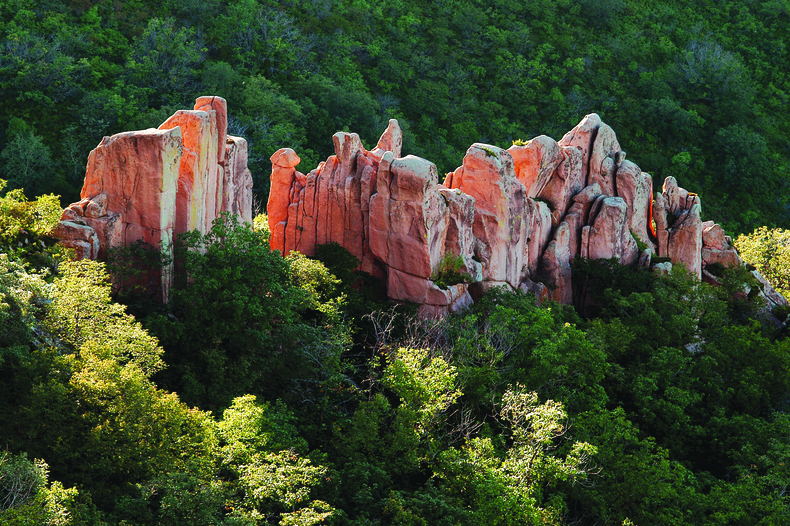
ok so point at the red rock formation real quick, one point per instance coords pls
(487, 174)
(152, 184)
(514, 218)
(677, 214)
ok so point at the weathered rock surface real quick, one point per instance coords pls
(677, 214)
(607, 235)
(488, 175)
(636, 188)
(152, 184)
(512, 218)
(603, 160)
(535, 163)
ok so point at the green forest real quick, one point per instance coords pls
(271, 390)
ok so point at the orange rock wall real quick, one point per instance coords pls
(152, 184)
(513, 218)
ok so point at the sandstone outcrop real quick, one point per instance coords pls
(515, 218)
(152, 184)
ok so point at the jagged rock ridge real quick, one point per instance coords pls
(152, 184)
(513, 218)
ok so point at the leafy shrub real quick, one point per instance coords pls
(768, 251)
(339, 261)
(717, 269)
(640, 245)
(25, 225)
(448, 271)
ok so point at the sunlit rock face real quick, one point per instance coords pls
(515, 218)
(150, 185)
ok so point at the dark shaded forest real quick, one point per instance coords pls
(273, 390)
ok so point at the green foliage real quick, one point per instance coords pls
(261, 447)
(26, 160)
(679, 85)
(641, 246)
(509, 490)
(339, 261)
(164, 61)
(136, 270)
(425, 384)
(25, 225)
(26, 497)
(87, 320)
(769, 251)
(448, 271)
(261, 224)
(235, 318)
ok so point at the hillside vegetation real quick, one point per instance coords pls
(698, 91)
(273, 390)
(268, 390)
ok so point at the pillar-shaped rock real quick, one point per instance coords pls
(198, 166)
(284, 162)
(138, 172)
(538, 228)
(488, 175)
(636, 188)
(578, 214)
(459, 239)
(391, 140)
(565, 182)
(238, 180)
(583, 136)
(677, 199)
(603, 160)
(407, 216)
(556, 266)
(685, 240)
(220, 106)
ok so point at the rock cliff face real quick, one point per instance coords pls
(150, 185)
(513, 218)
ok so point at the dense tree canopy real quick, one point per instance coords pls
(697, 91)
(665, 402)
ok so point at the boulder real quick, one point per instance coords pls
(603, 160)
(535, 162)
(583, 137)
(713, 236)
(727, 257)
(608, 234)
